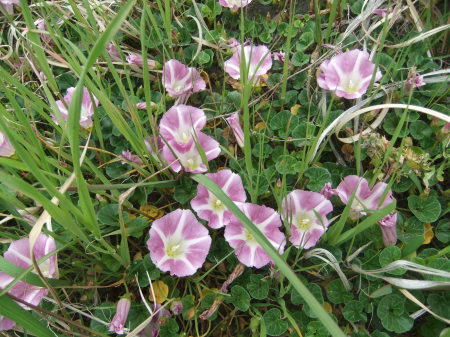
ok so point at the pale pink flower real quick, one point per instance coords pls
(181, 81)
(87, 108)
(46, 38)
(235, 44)
(154, 143)
(415, 81)
(233, 121)
(211, 209)
(306, 212)
(279, 56)
(248, 250)
(180, 124)
(189, 158)
(8, 5)
(327, 191)
(137, 60)
(128, 156)
(19, 254)
(381, 12)
(6, 323)
(234, 4)
(119, 319)
(388, 226)
(365, 199)
(178, 243)
(113, 52)
(347, 74)
(258, 62)
(6, 149)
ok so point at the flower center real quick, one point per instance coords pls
(217, 204)
(351, 87)
(191, 164)
(185, 137)
(249, 237)
(304, 222)
(174, 250)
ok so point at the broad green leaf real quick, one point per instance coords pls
(354, 312)
(239, 297)
(275, 326)
(286, 164)
(442, 231)
(318, 177)
(316, 329)
(391, 311)
(391, 254)
(296, 299)
(337, 293)
(426, 210)
(257, 287)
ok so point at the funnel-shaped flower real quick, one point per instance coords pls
(180, 124)
(388, 226)
(19, 254)
(137, 60)
(347, 74)
(8, 5)
(365, 199)
(415, 81)
(279, 56)
(306, 212)
(211, 209)
(258, 62)
(248, 250)
(118, 322)
(178, 243)
(381, 12)
(233, 121)
(6, 149)
(128, 156)
(190, 159)
(180, 80)
(87, 107)
(234, 4)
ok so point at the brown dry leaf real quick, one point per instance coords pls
(428, 235)
(152, 212)
(161, 291)
(260, 126)
(294, 109)
(327, 306)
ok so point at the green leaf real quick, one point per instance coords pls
(240, 298)
(185, 191)
(257, 287)
(354, 312)
(105, 312)
(286, 164)
(391, 254)
(296, 299)
(337, 293)
(442, 231)
(439, 305)
(280, 120)
(299, 59)
(109, 214)
(11, 310)
(275, 326)
(318, 177)
(391, 311)
(204, 57)
(426, 210)
(316, 329)
(420, 130)
(169, 328)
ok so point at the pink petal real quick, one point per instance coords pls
(180, 80)
(234, 4)
(6, 148)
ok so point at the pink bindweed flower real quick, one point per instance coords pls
(258, 62)
(152, 328)
(248, 250)
(415, 81)
(347, 74)
(365, 199)
(178, 243)
(6, 323)
(19, 254)
(8, 5)
(181, 81)
(180, 124)
(381, 12)
(6, 148)
(190, 158)
(129, 157)
(137, 60)
(327, 191)
(211, 209)
(306, 212)
(235, 44)
(87, 107)
(113, 52)
(233, 121)
(234, 4)
(118, 322)
(279, 56)
(388, 226)
(45, 38)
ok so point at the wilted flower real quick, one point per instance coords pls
(306, 212)
(131, 157)
(113, 52)
(365, 199)
(327, 191)
(257, 59)
(248, 250)
(388, 226)
(8, 5)
(347, 74)
(46, 38)
(190, 158)
(152, 328)
(137, 60)
(279, 56)
(181, 81)
(180, 124)
(235, 44)
(119, 319)
(18, 253)
(211, 209)
(178, 243)
(6, 149)
(177, 307)
(415, 80)
(234, 4)
(87, 108)
(233, 121)
(381, 12)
